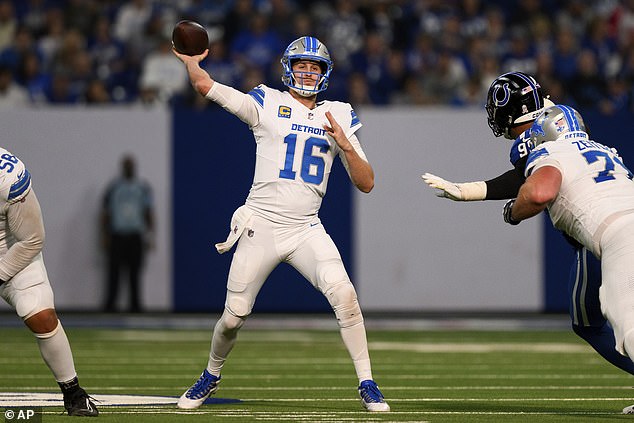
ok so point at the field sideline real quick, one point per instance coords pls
(447, 373)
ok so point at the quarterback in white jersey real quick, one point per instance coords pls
(295, 154)
(589, 194)
(297, 140)
(24, 282)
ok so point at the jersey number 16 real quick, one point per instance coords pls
(309, 161)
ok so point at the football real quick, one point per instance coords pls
(190, 38)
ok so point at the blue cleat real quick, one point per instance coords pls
(371, 398)
(205, 386)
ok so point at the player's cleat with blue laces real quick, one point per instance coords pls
(206, 385)
(371, 398)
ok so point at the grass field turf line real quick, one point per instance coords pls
(306, 376)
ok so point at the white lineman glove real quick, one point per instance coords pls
(467, 191)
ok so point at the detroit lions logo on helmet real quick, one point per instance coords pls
(537, 129)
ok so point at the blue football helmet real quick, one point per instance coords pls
(307, 48)
(514, 98)
(555, 121)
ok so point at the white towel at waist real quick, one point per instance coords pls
(239, 221)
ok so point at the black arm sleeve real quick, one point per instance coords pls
(507, 184)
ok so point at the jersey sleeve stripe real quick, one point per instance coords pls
(355, 120)
(536, 154)
(258, 95)
(18, 188)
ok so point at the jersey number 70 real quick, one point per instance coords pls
(308, 160)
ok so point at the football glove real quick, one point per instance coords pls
(466, 191)
(508, 208)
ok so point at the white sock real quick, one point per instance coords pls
(357, 344)
(55, 351)
(222, 341)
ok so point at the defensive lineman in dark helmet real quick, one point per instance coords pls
(514, 101)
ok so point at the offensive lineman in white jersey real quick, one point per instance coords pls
(24, 282)
(297, 140)
(589, 194)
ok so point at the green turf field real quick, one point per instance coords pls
(306, 376)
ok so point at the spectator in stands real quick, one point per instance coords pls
(11, 93)
(96, 93)
(604, 46)
(446, 80)
(60, 90)
(8, 23)
(565, 54)
(80, 14)
(72, 44)
(32, 14)
(422, 54)
(162, 75)
(121, 34)
(282, 14)
(131, 19)
(358, 90)
(520, 57)
(21, 44)
(372, 61)
(258, 45)
(33, 78)
(587, 86)
(53, 36)
(343, 28)
(108, 56)
(81, 73)
(617, 97)
(219, 64)
(238, 18)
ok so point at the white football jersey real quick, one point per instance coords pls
(15, 183)
(294, 155)
(595, 185)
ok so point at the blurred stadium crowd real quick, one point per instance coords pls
(413, 52)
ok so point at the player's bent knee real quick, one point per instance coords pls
(34, 300)
(50, 333)
(238, 305)
(331, 272)
(229, 322)
(343, 299)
